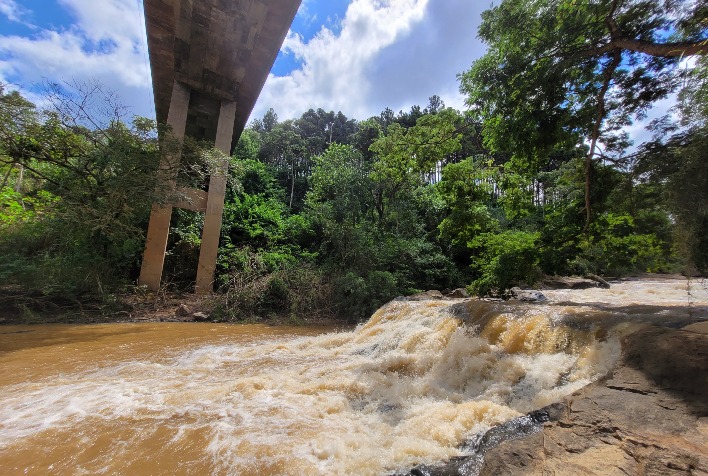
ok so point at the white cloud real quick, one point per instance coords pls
(382, 53)
(393, 53)
(304, 11)
(12, 10)
(429, 59)
(334, 66)
(106, 44)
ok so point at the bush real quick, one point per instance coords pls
(253, 288)
(614, 249)
(504, 260)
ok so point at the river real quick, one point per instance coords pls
(407, 387)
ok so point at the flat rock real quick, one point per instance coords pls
(200, 317)
(568, 282)
(528, 295)
(650, 417)
(424, 296)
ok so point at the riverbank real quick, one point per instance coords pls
(648, 416)
(19, 308)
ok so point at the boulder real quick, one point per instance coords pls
(183, 310)
(200, 317)
(458, 293)
(568, 282)
(528, 295)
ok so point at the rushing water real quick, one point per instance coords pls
(407, 387)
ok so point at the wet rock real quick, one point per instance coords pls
(650, 417)
(424, 296)
(568, 282)
(528, 295)
(200, 317)
(600, 281)
(183, 310)
(458, 293)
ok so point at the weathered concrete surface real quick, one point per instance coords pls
(209, 61)
(650, 417)
(222, 50)
(161, 214)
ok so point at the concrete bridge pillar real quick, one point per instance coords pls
(159, 227)
(215, 201)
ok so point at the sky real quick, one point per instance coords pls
(353, 56)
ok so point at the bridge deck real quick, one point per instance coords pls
(222, 50)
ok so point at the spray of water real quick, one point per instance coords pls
(408, 387)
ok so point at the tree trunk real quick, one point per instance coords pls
(292, 184)
(601, 113)
(20, 178)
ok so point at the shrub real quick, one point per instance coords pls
(252, 287)
(614, 249)
(504, 260)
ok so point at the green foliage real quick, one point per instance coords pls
(74, 225)
(254, 287)
(248, 145)
(504, 260)
(467, 189)
(327, 217)
(614, 249)
(537, 86)
(357, 296)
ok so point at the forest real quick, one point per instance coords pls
(329, 216)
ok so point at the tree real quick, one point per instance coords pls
(284, 149)
(89, 182)
(675, 164)
(435, 104)
(559, 73)
(338, 203)
(406, 155)
(101, 168)
(248, 145)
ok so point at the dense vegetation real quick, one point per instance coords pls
(326, 215)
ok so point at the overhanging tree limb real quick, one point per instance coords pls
(664, 50)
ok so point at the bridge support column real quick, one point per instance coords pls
(159, 227)
(215, 201)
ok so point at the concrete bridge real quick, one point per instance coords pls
(209, 61)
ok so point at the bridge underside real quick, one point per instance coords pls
(209, 61)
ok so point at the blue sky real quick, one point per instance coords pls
(354, 56)
(309, 21)
(357, 56)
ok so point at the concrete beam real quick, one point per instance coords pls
(221, 49)
(191, 199)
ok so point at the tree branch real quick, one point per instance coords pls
(601, 113)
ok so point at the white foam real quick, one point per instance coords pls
(405, 388)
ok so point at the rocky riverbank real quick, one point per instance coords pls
(648, 416)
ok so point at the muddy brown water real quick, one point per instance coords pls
(408, 387)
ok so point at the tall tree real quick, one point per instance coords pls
(561, 73)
